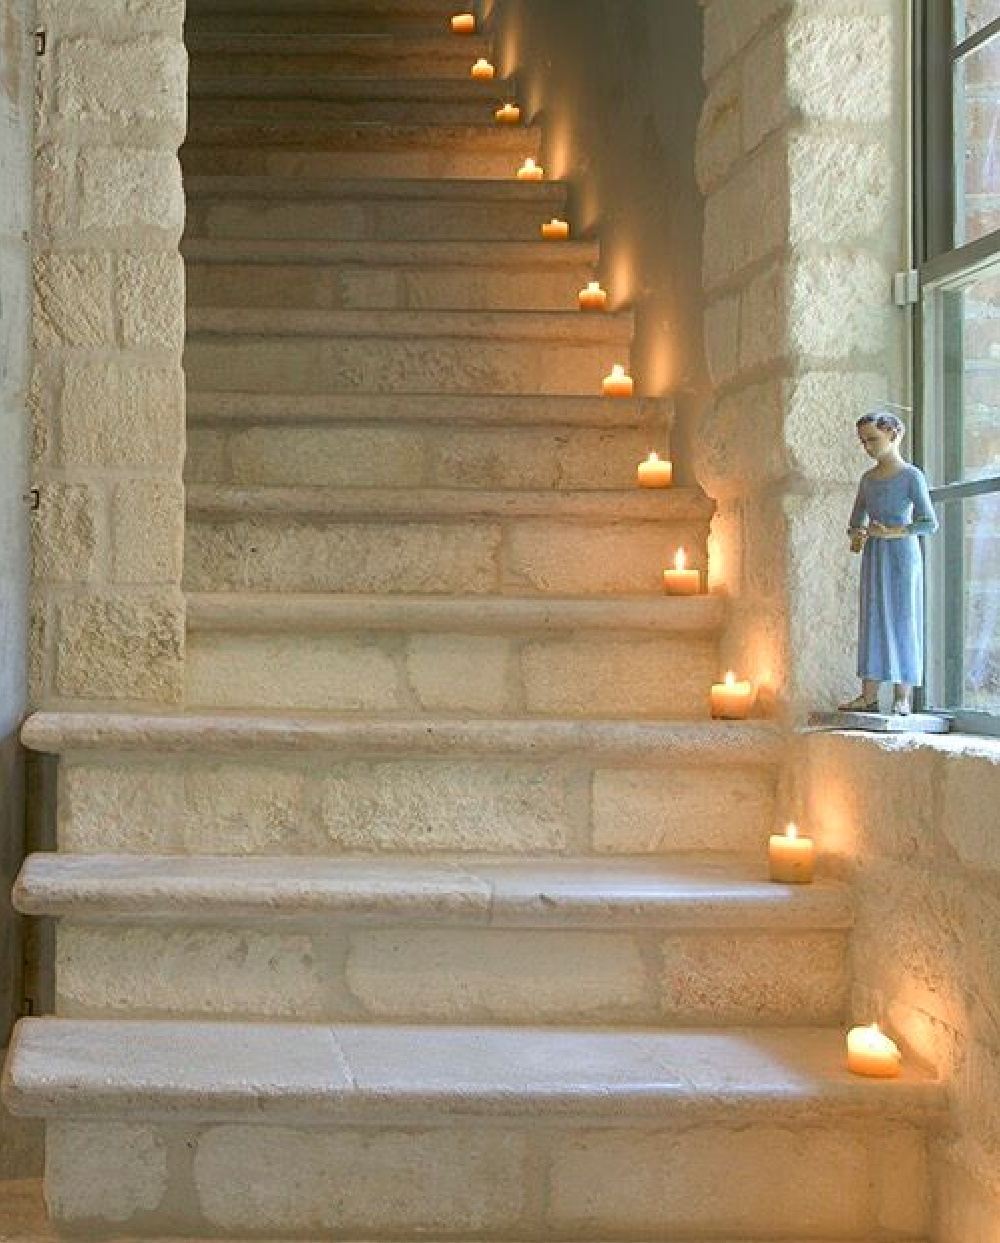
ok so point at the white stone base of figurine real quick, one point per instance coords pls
(883, 722)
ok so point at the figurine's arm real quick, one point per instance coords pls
(858, 520)
(924, 518)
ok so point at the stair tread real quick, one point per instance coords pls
(232, 732)
(288, 1072)
(255, 186)
(494, 254)
(519, 140)
(292, 612)
(683, 893)
(500, 409)
(433, 44)
(226, 501)
(333, 86)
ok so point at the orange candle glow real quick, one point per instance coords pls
(680, 581)
(655, 473)
(555, 230)
(509, 114)
(593, 297)
(870, 1052)
(530, 171)
(731, 700)
(464, 23)
(484, 70)
(791, 858)
(617, 384)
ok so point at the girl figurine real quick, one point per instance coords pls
(893, 508)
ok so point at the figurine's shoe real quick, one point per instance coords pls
(860, 704)
(900, 707)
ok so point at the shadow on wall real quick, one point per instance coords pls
(616, 85)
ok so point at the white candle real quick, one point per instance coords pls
(555, 230)
(870, 1052)
(617, 384)
(680, 581)
(530, 171)
(509, 114)
(593, 297)
(464, 23)
(655, 473)
(791, 857)
(483, 69)
(731, 700)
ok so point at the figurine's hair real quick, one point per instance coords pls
(884, 421)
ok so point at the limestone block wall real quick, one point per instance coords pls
(914, 824)
(108, 322)
(800, 156)
(618, 90)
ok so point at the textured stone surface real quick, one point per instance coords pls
(129, 648)
(147, 531)
(121, 414)
(150, 291)
(65, 543)
(73, 299)
(130, 188)
(111, 1171)
(142, 78)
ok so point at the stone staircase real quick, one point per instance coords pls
(439, 909)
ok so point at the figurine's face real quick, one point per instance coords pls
(874, 440)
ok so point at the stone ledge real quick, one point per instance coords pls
(680, 894)
(260, 252)
(304, 1074)
(371, 137)
(329, 87)
(428, 49)
(253, 187)
(968, 746)
(746, 743)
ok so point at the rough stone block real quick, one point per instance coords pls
(837, 66)
(763, 81)
(821, 408)
(730, 25)
(119, 808)
(722, 338)
(127, 647)
(119, 414)
(150, 295)
(971, 783)
(681, 809)
(718, 142)
(764, 318)
(65, 533)
(459, 673)
(145, 78)
(112, 1171)
(746, 219)
(740, 444)
(73, 299)
(327, 457)
(147, 531)
(838, 304)
(131, 188)
(839, 191)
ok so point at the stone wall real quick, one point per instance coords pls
(617, 88)
(800, 156)
(914, 824)
(107, 387)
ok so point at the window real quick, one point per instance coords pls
(958, 246)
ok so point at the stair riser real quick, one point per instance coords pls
(418, 364)
(357, 220)
(476, 111)
(494, 1179)
(412, 974)
(621, 677)
(447, 56)
(421, 22)
(474, 557)
(371, 287)
(446, 457)
(332, 804)
(410, 160)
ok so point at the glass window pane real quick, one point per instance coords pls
(969, 439)
(973, 15)
(977, 142)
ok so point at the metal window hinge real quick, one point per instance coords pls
(34, 498)
(906, 288)
(41, 41)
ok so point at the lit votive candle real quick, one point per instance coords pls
(530, 171)
(731, 700)
(483, 69)
(593, 297)
(870, 1052)
(617, 384)
(464, 23)
(509, 114)
(680, 581)
(655, 473)
(791, 858)
(555, 230)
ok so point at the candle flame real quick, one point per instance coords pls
(594, 287)
(680, 559)
(618, 371)
(792, 832)
(529, 165)
(652, 456)
(730, 678)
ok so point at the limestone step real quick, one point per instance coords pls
(438, 541)
(314, 275)
(356, 209)
(455, 940)
(415, 655)
(333, 16)
(426, 101)
(366, 149)
(216, 782)
(235, 410)
(360, 1130)
(306, 54)
(385, 351)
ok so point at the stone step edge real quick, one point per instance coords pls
(368, 1074)
(438, 44)
(533, 328)
(722, 894)
(255, 187)
(356, 136)
(260, 252)
(162, 735)
(332, 87)
(236, 409)
(224, 502)
(298, 613)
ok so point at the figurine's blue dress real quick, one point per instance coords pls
(891, 629)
